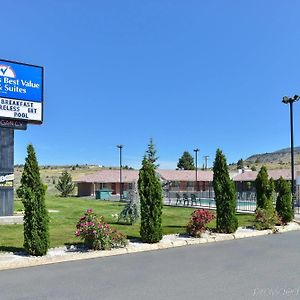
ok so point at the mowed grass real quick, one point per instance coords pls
(63, 222)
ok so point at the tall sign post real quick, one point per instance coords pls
(21, 103)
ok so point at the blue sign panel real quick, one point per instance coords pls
(21, 91)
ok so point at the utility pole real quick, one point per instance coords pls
(206, 159)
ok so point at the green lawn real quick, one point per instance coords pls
(62, 223)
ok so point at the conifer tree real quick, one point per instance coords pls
(225, 195)
(151, 153)
(264, 189)
(151, 201)
(65, 184)
(265, 214)
(240, 164)
(32, 192)
(284, 201)
(186, 162)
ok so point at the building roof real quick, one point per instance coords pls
(107, 176)
(185, 175)
(275, 174)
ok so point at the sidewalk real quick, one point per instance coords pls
(63, 254)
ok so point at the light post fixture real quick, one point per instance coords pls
(121, 187)
(196, 161)
(290, 101)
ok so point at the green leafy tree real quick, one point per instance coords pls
(225, 195)
(284, 201)
(186, 162)
(151, 153)
(151, 201)
(36, 220)
(65, 184)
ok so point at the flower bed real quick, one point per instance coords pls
(98, 235)
(198, 221)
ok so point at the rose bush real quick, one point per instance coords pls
(198, 221)
(98, 235)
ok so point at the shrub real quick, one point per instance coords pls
(98, 235)
(199, 219)
(36, 220)
(265, 218)
(284, 201)
(225, 195)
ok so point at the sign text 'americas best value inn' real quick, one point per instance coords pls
(21, 91)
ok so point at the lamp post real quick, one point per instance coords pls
(196, 160)
(121, 187)
(290, 101)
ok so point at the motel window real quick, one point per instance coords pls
(190, 184)
(175, 183)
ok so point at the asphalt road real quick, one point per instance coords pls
(265, 267)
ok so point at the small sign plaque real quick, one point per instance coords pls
(14, 124)
(7, 180)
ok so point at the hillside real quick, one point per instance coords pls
(50, 174)
(280, 157)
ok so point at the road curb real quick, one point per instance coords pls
(14, 261)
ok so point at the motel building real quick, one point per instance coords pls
(172, 180)
(175, 181)
(245, 181)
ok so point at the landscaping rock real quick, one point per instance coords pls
(72, 253)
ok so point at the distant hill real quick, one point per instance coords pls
(280, 157)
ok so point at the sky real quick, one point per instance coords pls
(189, 74)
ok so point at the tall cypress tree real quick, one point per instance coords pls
(264, 189)
(151, 201)
(284, 201)
(32, 191)
(266, 216)
(225, 195)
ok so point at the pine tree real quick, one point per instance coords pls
(151, 201)
(284, 201)
(225, 195)
(65, 184)
(186, 162)
(240, 164)
(151, 153)
(36, 220)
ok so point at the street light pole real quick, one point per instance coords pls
(290, 101)
(121, 187)
(196, 160)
